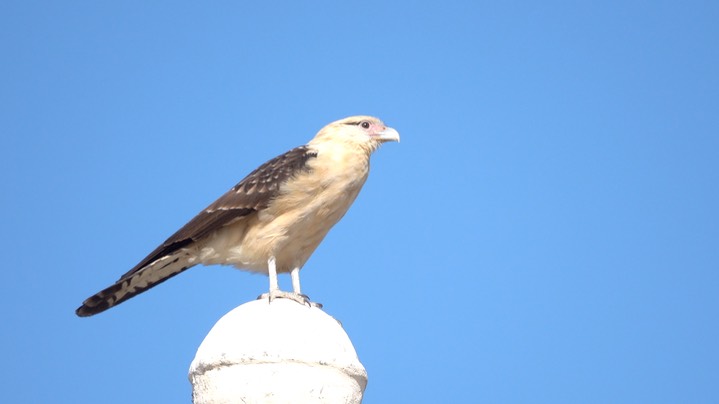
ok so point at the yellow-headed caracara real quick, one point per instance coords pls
(271, 221)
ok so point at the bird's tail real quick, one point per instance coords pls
(135, 282)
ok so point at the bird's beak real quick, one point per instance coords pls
(388, 135)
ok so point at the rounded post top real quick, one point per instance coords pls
(281, 348)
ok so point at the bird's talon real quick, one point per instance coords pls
(296, 297)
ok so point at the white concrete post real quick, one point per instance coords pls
(281, 352)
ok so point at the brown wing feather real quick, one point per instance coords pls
(250, 195)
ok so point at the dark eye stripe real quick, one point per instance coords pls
(363, 124)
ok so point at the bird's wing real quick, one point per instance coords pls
(254, 193)
(250, 195)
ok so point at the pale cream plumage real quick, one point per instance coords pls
(273, 220)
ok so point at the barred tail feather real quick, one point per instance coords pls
(136, 282)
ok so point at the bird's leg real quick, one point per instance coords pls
(275, 291)
(295, 274)
(272, 273)
(274, 284)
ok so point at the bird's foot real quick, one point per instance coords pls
(297, 297)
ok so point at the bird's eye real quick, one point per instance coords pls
(364, 124)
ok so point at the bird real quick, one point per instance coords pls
(271, 221)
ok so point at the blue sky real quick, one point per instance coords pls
(547, 231)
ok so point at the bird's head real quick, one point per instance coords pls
(365, 132)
